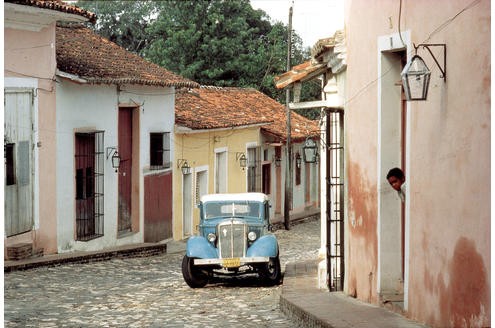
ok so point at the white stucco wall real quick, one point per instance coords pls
(156, 114)
(95, 107)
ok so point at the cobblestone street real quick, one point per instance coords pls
(149, 292)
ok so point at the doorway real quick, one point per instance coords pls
(187, 205)
(125, 170)
(19, 162)
(392, 153)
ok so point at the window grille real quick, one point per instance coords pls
(201, 185)
(335, 185)
(89, 158)
(159, 150)
(254, 169)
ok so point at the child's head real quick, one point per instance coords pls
(396, 178)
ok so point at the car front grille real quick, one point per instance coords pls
(232, 239)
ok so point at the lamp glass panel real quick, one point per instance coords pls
(310, 155)
(185, 168)
(115, 160)
(309, 151)
(415, 79)
(418, 86)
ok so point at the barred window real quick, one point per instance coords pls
(201, 185)
(254, 170)
(159, 150)
(89, 158)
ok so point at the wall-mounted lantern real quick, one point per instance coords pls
(298, 160)
(416, 75)
(241, 157)
(114, 154)
(277, 160)
(310, 151)
(184, 166)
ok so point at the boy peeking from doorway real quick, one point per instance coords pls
(397, 180)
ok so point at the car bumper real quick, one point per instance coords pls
(232, 263)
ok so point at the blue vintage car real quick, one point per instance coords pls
(234, 238)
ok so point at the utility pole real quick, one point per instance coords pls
(288, 162)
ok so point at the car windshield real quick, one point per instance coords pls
(232, 209)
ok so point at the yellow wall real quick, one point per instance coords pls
(199, 151)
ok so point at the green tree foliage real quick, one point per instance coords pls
(123, 22)
(213, 42)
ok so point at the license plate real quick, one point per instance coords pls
(232, 262)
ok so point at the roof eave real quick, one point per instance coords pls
(120, 81)
(182, 129)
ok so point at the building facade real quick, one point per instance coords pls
(232, 140)
(112, 105)
(428, 256)
(30, 121)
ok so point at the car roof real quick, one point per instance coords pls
(248, 196)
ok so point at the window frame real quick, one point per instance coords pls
(10, 164)
(160, 150)
(89, 185)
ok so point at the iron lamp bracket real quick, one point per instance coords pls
(444, 46)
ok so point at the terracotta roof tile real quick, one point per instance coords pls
(57, 5)
(318, 64)
(323, 44)
(297, 73)
(83, 53)
(215, 107)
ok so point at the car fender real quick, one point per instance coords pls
(199, 247)
(264, 246)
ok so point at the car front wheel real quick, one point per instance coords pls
(271, 272)
(193, 276)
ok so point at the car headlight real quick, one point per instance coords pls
(252, 236)
(211, 237)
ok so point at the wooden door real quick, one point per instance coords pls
(157, 207)
(125, 170)
(18, 161)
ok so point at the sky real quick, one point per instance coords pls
(311, 19)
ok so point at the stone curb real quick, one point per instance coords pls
(305, 319)
(85, 257)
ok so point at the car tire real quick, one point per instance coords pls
(271, 272)
(193, 276)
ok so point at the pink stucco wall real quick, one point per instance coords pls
(448, 158)
(30, 54)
